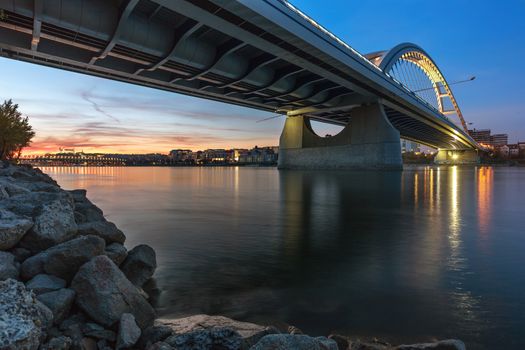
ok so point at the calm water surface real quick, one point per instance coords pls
(406, 256)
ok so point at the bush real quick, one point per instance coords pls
(15, 131)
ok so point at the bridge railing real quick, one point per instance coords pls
(354, 51)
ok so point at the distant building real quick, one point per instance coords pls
(409, 146)
(485, 138)
(521, 146)
(499, 140)
(514, 151)
(259, 155)
(215, 156)
(181, 155)
(237, 152)
(502, 151)
(480, 136)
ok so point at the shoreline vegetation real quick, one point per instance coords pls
(67, 281)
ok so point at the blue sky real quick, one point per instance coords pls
(465, 38)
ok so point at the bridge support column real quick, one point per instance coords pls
(368, 142)
(456, 157)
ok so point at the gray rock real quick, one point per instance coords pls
(104, 293)
(72, 327)
(103, 345)
(449, 344)
(128, 332)
(58, 343)
(104, 229)
(96, 331)
(154, 334)
(78, 195)
(3, 193)
(160, 346)
(79, 217)
(54, 223)
(12, 228)
(59, 302)
(21, 254)
(212, 338)
(42, 187)
(73, 320)
(32, 266)
(250, 333)
(11, 188)
(43, 283)
(294, 341)
(117, 253)
(47, 314)
(89, 211)
(63, 260)
(8, 266)
(86, 344)
(140, 264)
(22, 322)
(343, 343)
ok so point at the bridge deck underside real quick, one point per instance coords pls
(186, 56)
(413, 129)
(142, 42)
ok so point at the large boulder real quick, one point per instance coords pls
(104, 293)
(116, 252)
(57, 343)
(59, 302)
(10, 188)
(140, 264)
(96, 331)
(449, 344)
(54, 223)
(43, 283)
(250, 333)
(12, 228)
(154, 334)
(212, 338)
(294, 341)
(63, 260)
(128, 332)
(104, 229)
(22, 319)
(89, 212)
(8, 266)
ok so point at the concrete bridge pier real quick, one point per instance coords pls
(369, 141)
(456, 157)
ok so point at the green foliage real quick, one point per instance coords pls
(2, 15)
(15, 131)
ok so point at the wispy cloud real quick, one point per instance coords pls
(88, 96)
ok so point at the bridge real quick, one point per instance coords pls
(264, 54)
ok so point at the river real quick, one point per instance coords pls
(430, 252)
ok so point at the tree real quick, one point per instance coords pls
(15, 131)
(2, 15)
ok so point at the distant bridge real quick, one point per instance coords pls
(263, 54)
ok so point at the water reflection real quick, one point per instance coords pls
(484, 180)
(389, 254)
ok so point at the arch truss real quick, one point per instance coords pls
(411, 66)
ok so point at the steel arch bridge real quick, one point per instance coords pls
(263, 54)
(415, 69)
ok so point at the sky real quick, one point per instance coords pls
(465, 38)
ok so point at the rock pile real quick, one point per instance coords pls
(68, 282)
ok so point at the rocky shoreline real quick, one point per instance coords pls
(68, 282)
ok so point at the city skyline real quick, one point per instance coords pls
(97, 115)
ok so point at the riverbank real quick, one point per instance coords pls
(70, 282)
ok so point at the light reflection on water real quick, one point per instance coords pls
(430, 252)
